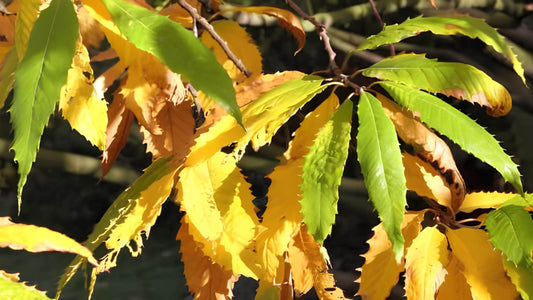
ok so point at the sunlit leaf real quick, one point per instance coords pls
(322, 173)
(220, 213)
(7, 31)
(78, 102)
(458, 80)
(205, 278)
(452, 123)
(483, 200)
(177, 48)
(119, 213)
(483, 267)
(241, 44)
(282, 216)
(522, 278)
(12, 288)
(26, 16)
(424, 264)
(39, 239)
(432, 149)
(7, 75)
(286, 19)
(510, 228)
(38, 80)
(381, 270)
(455, 285)
(379, 154)
(471, 27)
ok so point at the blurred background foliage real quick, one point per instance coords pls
(64, 191)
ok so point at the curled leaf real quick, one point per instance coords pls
(39, 239)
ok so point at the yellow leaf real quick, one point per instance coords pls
(205, 278)
(26, 15)
(483, 266)
(78, 102)
(422, 178)
(91, 33)
(241, 44)
(424, 264)
(455, 285)
(39, 239)
(380, 271)
(484, 200)
(7, 30)
(12, 288)
(307, 260)
(428, 146)
(220, 213)
(138, 221)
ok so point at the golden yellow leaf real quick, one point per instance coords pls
(381, 271)
(78, 102)
(484, 200)
(455, 285)
(91, 33)
(138, 221)
(220, 213)
(205, 278)
(424, 264)
(178, 14)
(27, 13)
(483, 266)
(422, 178)
(39, 239)
(7, 30)
(428, 146)
(241, 44)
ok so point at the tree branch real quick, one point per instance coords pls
(194, 13)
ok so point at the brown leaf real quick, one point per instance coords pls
(427, 146)
(178, 14)
(91, 33)
(118, 130)
(205, 278)
(286, 19)
(7, 30)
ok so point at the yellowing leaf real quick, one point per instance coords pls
(424, 264)
(12, 288)
(428, 146)
(522, 277)
(483, 267)
(286, 19)
(205, 278)
(91, 33)
(178, 14)
(241, 44)
(138, 221)
(27, 14)
(422, 178)
(7, 32)
(80, 107)
(479, 200)
(455, 285)
(381, 271)
(39, 239)
(220, 213)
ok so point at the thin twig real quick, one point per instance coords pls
(376, 13)
(322, 33)
(194, 13)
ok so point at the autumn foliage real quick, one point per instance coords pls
(194, 82)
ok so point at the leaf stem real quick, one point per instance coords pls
(376, 13)
(322, 33)
(196, 16)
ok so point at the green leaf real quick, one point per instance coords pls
(510, 228)
(521, 277)
(116, 214)
(380, 158)
(452, 123)
(7, 75)
(177, 48)
(39, 78)
(452, 79)
(12, 288)
(468, 26)
(322, 173)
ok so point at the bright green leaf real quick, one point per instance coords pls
(510, 228)
(322, 173)
(177, 48)
(471, 27)
(39, 78)
(379, 154)
(452, 123)
(12, 288)
(458, 80)
(117, 214)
